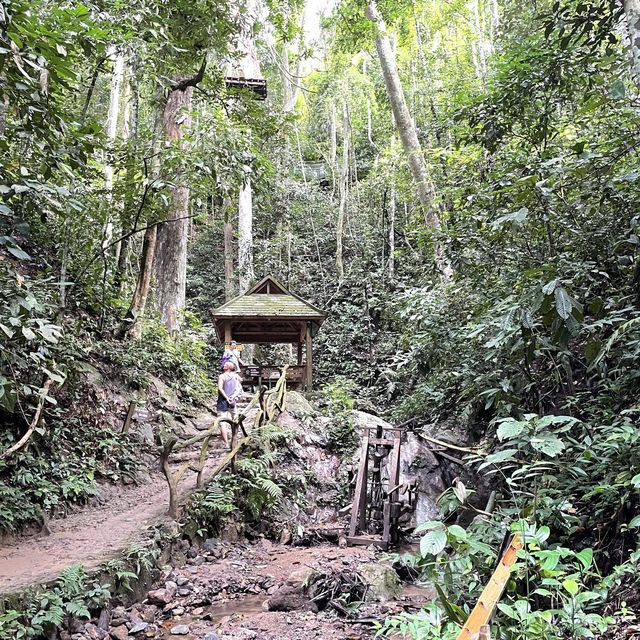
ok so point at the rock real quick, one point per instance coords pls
(285, 536)
(184, 592)
(137, 628)
(104, 619)
(180, 630)
(181, 581)
(299, 406)
(168, 397)
(177, 611)
(149, 612)
(419, 465)
(288, 598)
(210, 544)
(212, 635)
(198, 611)
(118, 617)
(382, 580)
(196, 562)
(119, 633)
(300, 576)
(163, 596)
(134, 617)
(91, 631)
(229, 533)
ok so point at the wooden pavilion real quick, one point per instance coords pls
(270, 314)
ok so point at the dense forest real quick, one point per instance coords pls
(455, 183)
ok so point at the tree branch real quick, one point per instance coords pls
(193, 81)
(34, 423)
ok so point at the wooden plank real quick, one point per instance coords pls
(491, 594)
(127, 420)
(393, 484)
(365, 541)
(383, 442)
(309, 362)
(357, 497)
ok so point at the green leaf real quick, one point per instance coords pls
(429, 525)
(496, 458)
(586, 555)
(433, 543)
(510, 429)
(571, 586)
(563, 302)
(457, 531)
(549, 288)
(18, 253)
(551, 559)
(548, 444)
(592, 349)
(635, 481)
(635, 523)
(28, 334)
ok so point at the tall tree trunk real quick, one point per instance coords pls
(132, 323)
(130, 133)
(245, 237)
(480, 43)
(632, 13)
(112, 130)
(344, 192)
(406, 129)
(392, 233)
(248, 66)
(229, 281)
(171, 248)
(333, 147)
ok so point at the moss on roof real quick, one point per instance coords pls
(268, 305)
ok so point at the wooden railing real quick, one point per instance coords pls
(269, 402)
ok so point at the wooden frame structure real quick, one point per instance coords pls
(270, 314)
(376, 499)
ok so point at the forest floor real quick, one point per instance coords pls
(257, 591)
(95, 533)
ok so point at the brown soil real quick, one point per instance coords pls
(94, 534)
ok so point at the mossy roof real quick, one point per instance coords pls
(278, 304)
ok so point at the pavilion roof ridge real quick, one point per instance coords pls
(282, 291)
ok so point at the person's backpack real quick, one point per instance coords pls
(226, 357)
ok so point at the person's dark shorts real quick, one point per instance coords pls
(222, 405)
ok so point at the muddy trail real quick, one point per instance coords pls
(262, 590)
(95, 533)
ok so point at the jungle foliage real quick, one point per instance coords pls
(527, 114)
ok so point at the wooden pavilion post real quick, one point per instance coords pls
(309, 363)
(301, 340)
(227, 332)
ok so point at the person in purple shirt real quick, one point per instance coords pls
(229, 389)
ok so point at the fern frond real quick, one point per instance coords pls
(271, 488)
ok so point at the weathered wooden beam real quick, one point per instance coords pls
(360, 483)
(309, 381)
(491, 594)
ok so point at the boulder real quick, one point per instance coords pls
(164, 595)
(180, 630)
(298, 406)
(119, 633)
(383, 581)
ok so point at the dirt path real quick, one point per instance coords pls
(93, 534)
